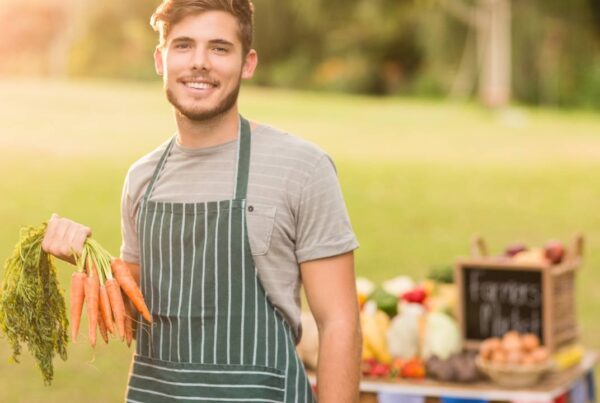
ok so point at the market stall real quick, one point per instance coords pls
(491, 328)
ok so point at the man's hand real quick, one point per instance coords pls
(64, 237)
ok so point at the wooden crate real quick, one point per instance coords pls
(497, 295)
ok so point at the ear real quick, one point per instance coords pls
(158, 60)
(250, 63)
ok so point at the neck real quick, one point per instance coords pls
(208, 133)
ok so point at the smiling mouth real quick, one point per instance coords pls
(199, 84)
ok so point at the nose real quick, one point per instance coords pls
(200, 59)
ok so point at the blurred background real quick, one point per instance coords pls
(534, 52)
(445, 118)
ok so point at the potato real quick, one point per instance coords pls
(530, 341)
(514, 357)
(487, 347)
(511, 341)
(540, 354)
(499, 356)
(528, 360)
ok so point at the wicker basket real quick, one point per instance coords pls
(512, 375)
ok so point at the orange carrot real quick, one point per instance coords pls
(92, 289)
(77, 284)
(116, 304)
(102, 327)
(105, 308)
(130, 287)
(128, 324)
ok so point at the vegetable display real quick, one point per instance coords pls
(403, 324)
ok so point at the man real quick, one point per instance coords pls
(220, 224)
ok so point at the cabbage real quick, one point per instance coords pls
(403, 335)
(442, 336)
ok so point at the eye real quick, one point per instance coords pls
(182, 46)
(220, 49)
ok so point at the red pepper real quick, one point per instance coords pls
(417, 296)
(367, 366)
(380, 370)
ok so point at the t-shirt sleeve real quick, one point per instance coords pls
(323, 225)
(129, 236)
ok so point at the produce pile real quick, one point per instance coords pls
(514, 348)
(32, 306)
(409, 331)
(515, 360)
(552, 253)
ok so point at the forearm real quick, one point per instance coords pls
(338, 373)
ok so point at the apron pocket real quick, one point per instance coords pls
(160, 381)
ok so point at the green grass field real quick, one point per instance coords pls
(419, 177)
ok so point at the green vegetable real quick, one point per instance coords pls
(442, 274)
(32, 307)
(385, 302)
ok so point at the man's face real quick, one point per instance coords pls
(202, 65)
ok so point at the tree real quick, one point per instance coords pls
(491, 20)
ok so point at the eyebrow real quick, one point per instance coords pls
(218, 41)
(182, 39)
(221, 42)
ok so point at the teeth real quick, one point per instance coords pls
(199, 86)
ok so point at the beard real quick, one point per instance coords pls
(201, 114)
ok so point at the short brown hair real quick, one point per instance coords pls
(170, 12)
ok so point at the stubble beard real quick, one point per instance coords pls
(202, 115)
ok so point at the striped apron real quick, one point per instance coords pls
(215, 337)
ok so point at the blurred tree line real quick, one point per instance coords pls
(408, 47)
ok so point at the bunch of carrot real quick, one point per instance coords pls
(32, 305)
(104, 282)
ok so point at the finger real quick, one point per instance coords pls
(78, 240)
(61, 240)
(60, 230)
(70, 234)
(51, 241)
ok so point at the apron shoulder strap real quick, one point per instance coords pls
(158, 170)
(243, 161)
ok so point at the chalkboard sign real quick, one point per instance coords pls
(499, 300)
(496, 296)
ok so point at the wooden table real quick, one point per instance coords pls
(552, 386)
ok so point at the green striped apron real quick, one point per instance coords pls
(216, 336)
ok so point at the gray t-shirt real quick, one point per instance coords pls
(299, 212)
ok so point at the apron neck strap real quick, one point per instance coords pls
(243, 160)
(242, 164)
(158, 170)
